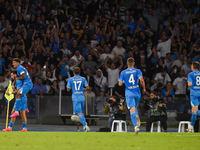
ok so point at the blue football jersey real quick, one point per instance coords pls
(21, 70)
(18, 84)
(131, 77)
(77, 83)
(194, 77)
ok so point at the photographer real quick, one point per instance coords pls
(157, 111)
(114, 107)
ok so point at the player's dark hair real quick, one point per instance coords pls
(195, 65)
(17, 60)
(77, 70)
(131, 61)
(14, 71)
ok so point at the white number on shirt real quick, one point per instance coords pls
(131, 79)
(77, 83)
(198, 80)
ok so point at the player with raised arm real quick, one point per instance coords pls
(20, 104)
(22, 74)
(194, 84)
(131, 77)
(77, 83)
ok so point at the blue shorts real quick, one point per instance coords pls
(78, 107)
(133, 101)
(194, 100)
(25, 88)
(20, 104)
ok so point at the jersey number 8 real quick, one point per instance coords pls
(198, 80)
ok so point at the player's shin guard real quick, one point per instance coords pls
(198, 112)
(193, 119)
(133, 119)
(82, 119)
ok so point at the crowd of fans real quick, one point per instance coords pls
(51, 37)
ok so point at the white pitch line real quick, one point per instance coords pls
(187, 135)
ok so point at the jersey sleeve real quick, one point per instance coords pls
(189, 78)
(121, 78)
(85, 82)
(139, 74)
(20, 71)
(69, 84)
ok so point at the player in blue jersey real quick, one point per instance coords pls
(131, 77)
(20, 104)
(22, 74)
(194, 84)
(77, 84)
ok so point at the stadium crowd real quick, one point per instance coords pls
(51, 37)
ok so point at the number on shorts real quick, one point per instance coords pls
(131, 79)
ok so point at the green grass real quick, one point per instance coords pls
(97, 141)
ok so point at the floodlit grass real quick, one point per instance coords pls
(97, 141)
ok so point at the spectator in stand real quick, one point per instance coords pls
(187, 67)
(90, 79)
(100, 82)
(105, 54)
(113, 72)
(54, 88)
(2, 64)
(3, 87)
(180, 84)
(66, 51)
(168, 90)
(171, 105)
(162, 78)
(165, 46)
(180, 62)
(118, 49)
(90, 64)
(38, 86)
(76, 59)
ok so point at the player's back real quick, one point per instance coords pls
(77, 84)
(20, 71)
(130, 77)
(194, 77)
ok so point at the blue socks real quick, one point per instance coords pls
(82, 119)
(193, 119)
(198, 112)
(11, 124)
(136, 111)
(24, 124)
(133, 119)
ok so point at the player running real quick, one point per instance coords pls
(194, 84)
(20, 104)
(130, 78)
(76, 83)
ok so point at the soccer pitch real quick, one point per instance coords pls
(97, 141)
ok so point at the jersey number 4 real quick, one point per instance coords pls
(131, 79)
(77, 84)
